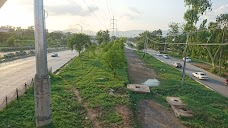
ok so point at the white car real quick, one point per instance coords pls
(188, 59)
(166, 56)
(54, 55)
(200, 75)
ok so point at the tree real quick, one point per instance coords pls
(102, 37)
(114, 58)
(78, 42)
(11, 41)
(195, 10)
(223, 23)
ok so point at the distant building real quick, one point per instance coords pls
(4, 30)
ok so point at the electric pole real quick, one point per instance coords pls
(42, 82)
(2, 2)
(185, 56)
(114, 26)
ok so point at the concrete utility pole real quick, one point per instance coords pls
(42, 82)
(186, 52)
(2, 2)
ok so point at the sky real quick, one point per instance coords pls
(95, 15)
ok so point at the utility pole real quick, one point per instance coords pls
(186, 52)
(2, 2)
(145, 45)
(114, 26)
(42, 82)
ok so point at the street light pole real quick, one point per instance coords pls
(80, 26)
(186, 52)
(42, 82)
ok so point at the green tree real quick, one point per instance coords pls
(223, 23)
(114, 58)
(78, 42)
(102, 37)
(11, 41)
(195, 10)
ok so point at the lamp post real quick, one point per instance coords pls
(80, 26)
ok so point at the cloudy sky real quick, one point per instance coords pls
(95, 15)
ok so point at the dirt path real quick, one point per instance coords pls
(150, 113)
(138, 72)
(91, 114)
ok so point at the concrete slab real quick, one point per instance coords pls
(174, 101)
(181, 111)
(179, 107)
(138, 88)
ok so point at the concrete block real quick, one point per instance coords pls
(138, 88)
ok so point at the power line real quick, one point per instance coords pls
(93, 13)
(108, 8)
(103, 18)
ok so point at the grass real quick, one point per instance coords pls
(66, 111)
(210, 108)
(92, 79)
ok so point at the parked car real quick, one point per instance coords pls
(166, 56)
(177, 65)
(188, 59)
(200, 75)
(226, 82)
(54, 55)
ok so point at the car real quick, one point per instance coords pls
(226, 82)
(188, 59)
(200, 75)
(54, 55)
(177, 65)
(166, 56)
(158, 54)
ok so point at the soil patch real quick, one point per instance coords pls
(126, 115)
(138, 72)
(91, 114)
(150, 113)
(153, 115)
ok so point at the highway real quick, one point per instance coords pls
(214, 82)
(16, 73)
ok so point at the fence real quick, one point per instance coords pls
(14, 95)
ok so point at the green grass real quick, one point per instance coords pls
(92, 79)
(210, 108)
(66, 111)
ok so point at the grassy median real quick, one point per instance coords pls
(93, 80)
(210, 108)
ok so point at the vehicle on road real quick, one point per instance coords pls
(188, 59)
(166, 56)
(226, 82)
(159, 54)
(200, 75)
(54, 55)
(177, 65)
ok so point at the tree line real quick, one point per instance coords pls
(204, 41)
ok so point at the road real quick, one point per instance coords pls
(15, 74)
(214, 82)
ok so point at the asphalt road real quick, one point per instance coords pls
(214, 82)
(16, 73)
